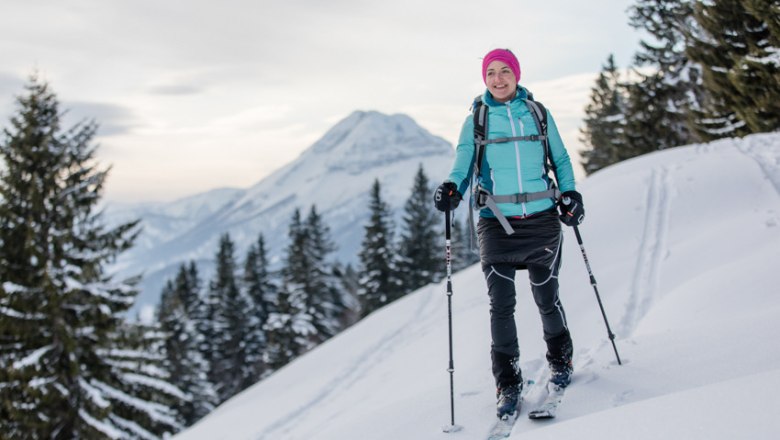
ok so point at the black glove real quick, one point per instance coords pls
(572, 209)
(446, 197)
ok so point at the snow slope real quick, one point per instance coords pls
(685, 245)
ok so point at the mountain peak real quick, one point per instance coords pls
(365, 139)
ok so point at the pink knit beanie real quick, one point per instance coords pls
(505, 56)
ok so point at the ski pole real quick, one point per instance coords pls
(611, 335)
(451, 369)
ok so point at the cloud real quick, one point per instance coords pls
(11, 86)
(263, 80)
(112, 119)
(175, 89)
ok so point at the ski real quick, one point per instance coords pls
(503, 426)
(549, 406)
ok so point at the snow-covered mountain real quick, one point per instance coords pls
(335, 174)
(685, 245)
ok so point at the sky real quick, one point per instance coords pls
(194, 95)
(696, 331)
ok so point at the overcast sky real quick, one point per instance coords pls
(196, 94)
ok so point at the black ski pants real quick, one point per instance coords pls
(505, 351)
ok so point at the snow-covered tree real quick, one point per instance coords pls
(604, 131)
(420, 252)
(180, 315)
(463, 255)
(737, 42)
(667, 89)
(349, 285)
(60, 310)
(228, 324)
(325, 296)
(260, 292)
(147, 401)
(378, 284)
(289, 329)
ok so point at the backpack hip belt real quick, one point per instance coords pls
(485, 199)
(483, 196)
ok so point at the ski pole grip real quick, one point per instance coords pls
(447, 224)
(566, 201)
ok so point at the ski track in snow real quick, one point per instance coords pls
(759, 148)
(351, 373)
(652, 249)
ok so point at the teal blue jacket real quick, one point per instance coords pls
(516, 166)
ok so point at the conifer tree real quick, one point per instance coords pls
(60, 311)
(604, 131)
(289, 329)
(420, 259)
(228, 324)
(737, 42)
(462, 254)
(141, 362)
(377, 282)
(180, 315)
(349, 282)
(659, 104)
(325, 298)
(261, 295)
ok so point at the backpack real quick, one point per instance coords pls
(481, 198)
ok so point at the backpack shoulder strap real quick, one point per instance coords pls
(480, 113)
(539, 112)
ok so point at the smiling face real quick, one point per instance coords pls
(500, 81)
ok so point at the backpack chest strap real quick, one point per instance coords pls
(534, 138)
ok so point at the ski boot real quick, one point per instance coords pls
(508, 400)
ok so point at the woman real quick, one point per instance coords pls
(519, 225)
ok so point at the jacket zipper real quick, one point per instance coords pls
(517, 150)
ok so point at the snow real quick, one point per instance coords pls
(32, 358)
(684, 244)
(155, 383)
(11, 288)
(155, 411)
(104, 428)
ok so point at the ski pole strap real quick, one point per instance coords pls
(535, 138)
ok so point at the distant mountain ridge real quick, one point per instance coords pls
(335, 174)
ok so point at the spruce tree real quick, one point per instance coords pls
(179, 315)
(659, 104)
(604, 131)
(349, 282)
(60, 311)
(420, 256)
(737, 42)
(462, 254)
(289, 329)
(228, 322)
(141, 362)
(261, 295)
(325, 298)
(377, 283)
